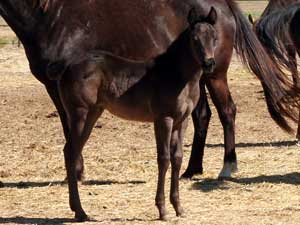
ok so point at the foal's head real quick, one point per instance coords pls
(203, 38)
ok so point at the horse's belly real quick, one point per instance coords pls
(131, 110)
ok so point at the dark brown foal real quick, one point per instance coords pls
(164, 90)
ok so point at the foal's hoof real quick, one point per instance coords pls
(163, 215)
(180, 213)
(82, 217)
(163, 218)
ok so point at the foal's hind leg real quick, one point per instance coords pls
(79, 94)
(201, 117)
(222, 99)
(52, 90)
(176, 161)
(163, 130)
(82, 122)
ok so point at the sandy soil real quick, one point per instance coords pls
(120, 159)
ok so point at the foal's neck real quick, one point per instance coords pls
(180, 57)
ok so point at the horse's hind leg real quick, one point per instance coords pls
(52, 90)
(79, 94)
(163, 130)
(176, 161)
(201, 117)
(82, 122)
(222, 99)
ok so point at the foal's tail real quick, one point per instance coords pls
(282, 97)
(274, 32)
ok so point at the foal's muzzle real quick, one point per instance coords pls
(209, 65)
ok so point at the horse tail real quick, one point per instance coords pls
(293, 28)
(282, 97)
(274, 33)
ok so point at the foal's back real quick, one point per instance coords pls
(138, 90)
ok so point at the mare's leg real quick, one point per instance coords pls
(176, 161)
(79, 93)
(222, 99)
(201, 117)
(52, 90)
(163, 129)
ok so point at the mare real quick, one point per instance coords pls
(142, 30)
(276, 29)
(164, 91)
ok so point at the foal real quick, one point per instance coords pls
(164, 91)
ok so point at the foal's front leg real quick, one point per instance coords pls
(176, 161)
(163, 129)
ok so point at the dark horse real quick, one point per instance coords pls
(142, 30)
(278, 32)
(163, 91)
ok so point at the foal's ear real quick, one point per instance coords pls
(212, 16)
(192, 17)
(250, 18)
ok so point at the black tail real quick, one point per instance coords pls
(273, 32)
(294, 29)
(281, 96)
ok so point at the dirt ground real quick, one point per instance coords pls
(120, 160)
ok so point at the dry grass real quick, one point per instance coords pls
(121, 166)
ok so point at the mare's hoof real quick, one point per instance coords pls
(82, 217)
(189, 173)
(227, 170)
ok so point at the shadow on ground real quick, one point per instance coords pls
(207, 185)
(62, 221)
(29, 184)
(259, 144)
(26, 220)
